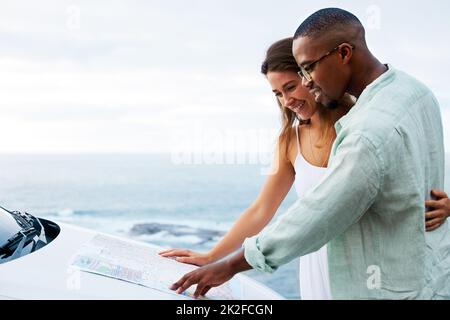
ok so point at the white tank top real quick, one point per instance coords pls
(314, 277)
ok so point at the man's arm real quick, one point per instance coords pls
(345, 193)
(348, 189)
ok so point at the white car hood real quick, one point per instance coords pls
(46, 274)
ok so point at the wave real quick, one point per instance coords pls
(65, 213)
(174, 233)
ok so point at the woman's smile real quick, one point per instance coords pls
(298, 107)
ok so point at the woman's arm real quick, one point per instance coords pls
(439, 210)
(253, 220)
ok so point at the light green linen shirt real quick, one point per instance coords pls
(370, 205)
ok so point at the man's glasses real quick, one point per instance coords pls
(305, 71)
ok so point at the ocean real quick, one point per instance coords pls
(149, 198)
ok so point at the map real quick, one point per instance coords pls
(141, 264)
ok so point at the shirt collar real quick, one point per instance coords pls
(367, 95)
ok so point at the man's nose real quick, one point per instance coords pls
(307, 83)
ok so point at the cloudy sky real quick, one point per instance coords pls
(152, 76)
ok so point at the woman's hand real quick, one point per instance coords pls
(188, 256)
(439, 210)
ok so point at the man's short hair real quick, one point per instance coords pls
(325, 20)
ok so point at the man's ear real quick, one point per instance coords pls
(346, 53)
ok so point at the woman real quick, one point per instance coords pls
(303, 150)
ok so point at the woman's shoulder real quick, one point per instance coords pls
(288, 148)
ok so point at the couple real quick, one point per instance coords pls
(363, 173)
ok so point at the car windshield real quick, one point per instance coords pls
(20, 233)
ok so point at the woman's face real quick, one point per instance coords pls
(287, 87)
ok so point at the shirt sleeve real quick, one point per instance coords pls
(343, 195)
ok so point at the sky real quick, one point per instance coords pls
(177, 76)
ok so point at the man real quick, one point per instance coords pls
(369, 207)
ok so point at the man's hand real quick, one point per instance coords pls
(212, 275)
(439, 210)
